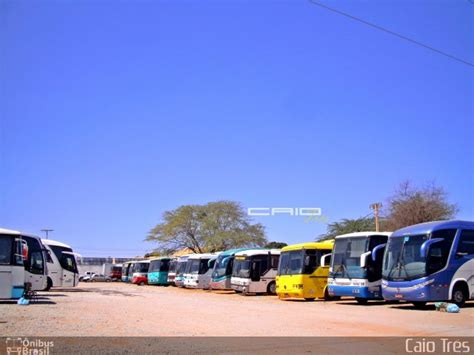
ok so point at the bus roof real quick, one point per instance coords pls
(141, 262)
(231, 252)
(325, 244)
(9, 231)
(162, 258)
(54, 243)
(428, 227)
(204, 256)
(362, 234)
(252, 252)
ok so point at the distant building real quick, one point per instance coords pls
(98, 264)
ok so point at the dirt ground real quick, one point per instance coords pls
(117, 309)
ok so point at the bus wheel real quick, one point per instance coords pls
(309, 299)
(459, 295)
(419, 305)
(271, 288)
(328, 297)
(49, 284)
(362, 300)
(141, 283)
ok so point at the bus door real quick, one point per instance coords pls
(69, 269)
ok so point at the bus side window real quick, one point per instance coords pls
(49, 259)
(466, 243)
(439, 252)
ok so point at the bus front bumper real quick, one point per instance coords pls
(414, 291)
(373, 293)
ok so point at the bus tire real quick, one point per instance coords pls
(362, 300)
(271, 288)
(141, 283)
(328, 297)
(460, 294)
(49, 284)
(419, 305)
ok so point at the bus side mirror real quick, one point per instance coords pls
(376, 250)
(363, 259)
(426, 245)
(24, 250)
(325, 260)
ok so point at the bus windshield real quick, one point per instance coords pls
(173, 265)
(403, 259)
(223, 266)
(65, 257)
(181, 268)
(130, 269)
(346, 258)
(125, 269)
(241, 267)
(297, 262)
(154, 266)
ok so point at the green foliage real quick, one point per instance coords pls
(409, 205)
(207, 228)
(275, 245)
(348, 226)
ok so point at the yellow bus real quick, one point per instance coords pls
(300, 274)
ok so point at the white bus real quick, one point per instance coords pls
(62, 266)
(254, 271)
(199, 270)
(13, 251)
(34, 260)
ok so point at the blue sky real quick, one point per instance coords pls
(112, 112)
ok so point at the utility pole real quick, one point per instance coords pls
(46, 231)
(376, 207)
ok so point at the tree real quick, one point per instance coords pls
(275, 245)
(411, 205)
(348, 226)
(207, 228)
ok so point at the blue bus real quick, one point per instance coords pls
(158, 271)
(429, 262)
(222, 271)
(356, 266)
(127, 271)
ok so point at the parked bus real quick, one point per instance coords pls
(36, 270)
(300, 273)
(172, 271)
(13, 252)
(115, 272)
(125, 271)
(430, 262)
(198, 271)
(356, 266)
(62, 266)
(180, 270)
(254, 271)
(140, 272)
(222, 271)
(158, 271)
